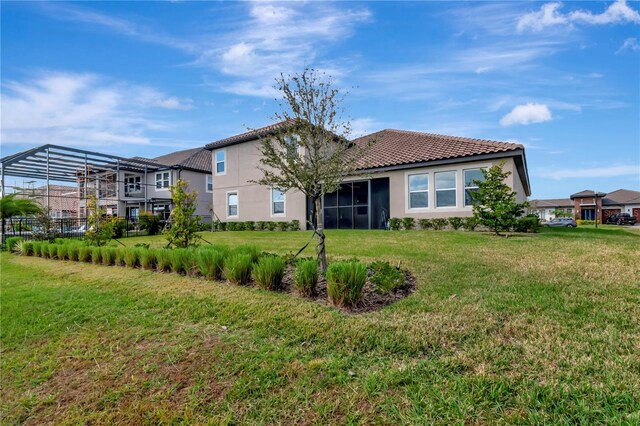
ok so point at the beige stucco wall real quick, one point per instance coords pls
(254, 200)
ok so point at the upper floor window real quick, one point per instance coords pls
(209, 183)
(277, 201)
(446, 189)
(221, 162)
(132, 184)
(419, 191)
(163, 180)
(470, 178)
(232, 204)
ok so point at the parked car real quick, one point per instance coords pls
(622, 219)
(565, 222)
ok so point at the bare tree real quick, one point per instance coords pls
(309, 150)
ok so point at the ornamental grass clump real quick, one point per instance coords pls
(211, 263)
(181, 260)
(163, 259)
(72, 252)
(109, 256)
(62, 251)
(237, 268)
(147, 259)
(53, 251)
(251, 250)
(84, 254)
(44, 250)
(269, 272)
(37, 246)
(118, 259)
(24, 248)
(10, 243)
(131, 257)
(305, 278)
(96, 255)
(345, 282)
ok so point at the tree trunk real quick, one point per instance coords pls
(319, 230)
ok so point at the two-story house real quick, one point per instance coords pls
(404, 174)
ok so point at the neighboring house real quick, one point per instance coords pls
(127, 193)
(61, 200)
(404, 174)
(587, 205)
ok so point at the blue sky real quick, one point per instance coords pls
(148, 78)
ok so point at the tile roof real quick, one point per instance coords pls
(622, 196)
(396, 147)
(195, 158)
(250, 135)
(586, 193)
(551, 203)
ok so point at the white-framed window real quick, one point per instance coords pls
(277, 202)
(445, 189)
(232, 204)
(132, 184)
(221, 162)
(209, 183)
(163, 180)
(418, 191)
(470, 176)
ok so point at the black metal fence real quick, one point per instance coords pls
(75, 228)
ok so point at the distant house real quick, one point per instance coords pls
(405, 174)
(61, 200)
(587, 205)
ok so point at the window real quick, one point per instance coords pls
(163, 180)
(209, 183)
(221, 162)
(232, 204)
(419, 191)
(277, 201)
(132, 184)
(446, 189)
(470, 176)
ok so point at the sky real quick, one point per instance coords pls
(148, 78)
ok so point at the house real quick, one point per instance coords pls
(587, 205)
(404, 174)
(128, 192)
(61, 200)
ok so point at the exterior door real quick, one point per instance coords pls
(348, 208)
(588, 214)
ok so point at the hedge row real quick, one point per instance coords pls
(251, 225)
(240, 265)
(523, 224)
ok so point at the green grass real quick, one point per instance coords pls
(535, 329)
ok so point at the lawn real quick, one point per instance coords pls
(530, 329)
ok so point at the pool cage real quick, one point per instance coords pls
(63, 179)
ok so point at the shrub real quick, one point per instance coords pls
(219, 226)
(395, 223)
(96, 255)
(529, 223)
(44, 250)
(37, 245)
(163, 258)
(237, 268)
(73, 251)
(386, 278)
(24, 248)
(305, 278)
(470, 223)
(268, 272)
(150, 222)
(251, 250)
(109, 256)
(232, 226)
(425, 223)
(239, 226)
(211, 263)
(271, 226)
(11, 242)
(456, 222)
(131, 257)
(586, 222)
(408, 223)
(53, 251)
(147, 258)
(249, 225)
(119, 227)
(345, 281)
(283, 226)
(84, 253)
(63, 251)
(181, 261)
(118, 258)
(439, 223)
(294, 225)
(261, 225)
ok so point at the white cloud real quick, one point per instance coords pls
(549, 15)
(81, 109)
(629, 44)
(593, 172)
(527, 114)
